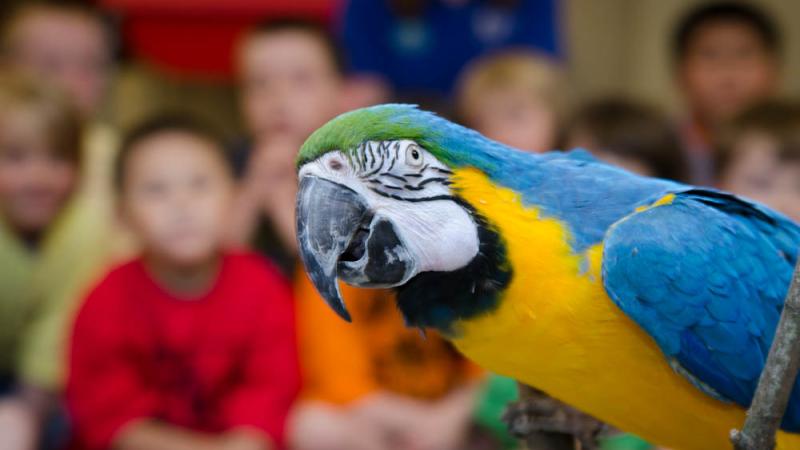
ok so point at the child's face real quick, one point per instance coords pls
(175, 196)
(515, 119)
(35, 182)
(726, 68)
(67, 47)
(289, 85)
(757, 172)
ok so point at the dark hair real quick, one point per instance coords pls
(634, 131)
(166, 123)
(310, 27)
(780, 120)
(749, 15)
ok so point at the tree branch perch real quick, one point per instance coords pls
(777, 378)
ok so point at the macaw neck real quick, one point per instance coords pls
(576, 189)
(439, 299)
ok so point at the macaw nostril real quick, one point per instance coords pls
(357, 247)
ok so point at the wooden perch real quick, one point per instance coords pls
(545, 423)
(777, 379)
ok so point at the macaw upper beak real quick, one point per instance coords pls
(328, 215)
(338, 235)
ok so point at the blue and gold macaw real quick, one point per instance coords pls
(647, 303)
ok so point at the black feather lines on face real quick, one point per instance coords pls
(378, 160)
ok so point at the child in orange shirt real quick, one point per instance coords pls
(374, 384)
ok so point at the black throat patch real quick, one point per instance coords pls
(439, 299)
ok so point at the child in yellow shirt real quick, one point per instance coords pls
(50, 246)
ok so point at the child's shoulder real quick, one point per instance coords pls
(109, 292)
(252, 281)
(253, 267)
(122, 272)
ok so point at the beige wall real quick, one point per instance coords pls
(622, 46)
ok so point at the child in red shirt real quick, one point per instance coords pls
(189, 346)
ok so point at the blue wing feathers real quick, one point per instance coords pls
(706, 277)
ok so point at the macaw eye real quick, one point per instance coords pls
(335, 164)
(413, 156)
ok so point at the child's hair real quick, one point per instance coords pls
(745, 14)
(59, 119)
(166, 123)
(309, 27)
(538, 75)
(26, 8)
(632, 131)
(779, 120)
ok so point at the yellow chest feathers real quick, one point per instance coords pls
(556, 329)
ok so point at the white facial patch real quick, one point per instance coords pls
(405, 184)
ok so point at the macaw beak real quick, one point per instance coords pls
(339, 236)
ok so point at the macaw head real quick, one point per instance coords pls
(376, 207)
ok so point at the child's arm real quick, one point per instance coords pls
(18, 424)
(268, 189)
(390, 412)
(22, 414)
(443, 424)
(270, 378)
(450, 419)
(104, 392)
(322, 426)
(151, 435)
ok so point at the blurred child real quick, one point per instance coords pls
(190, 345)
(374, 384)
(629, 135)
(49, 248)
(291, 84)
(65, 42)
(516, 98)
(759, 156)
(727, 57)
(290, 81)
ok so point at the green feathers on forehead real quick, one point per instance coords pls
(377, 123)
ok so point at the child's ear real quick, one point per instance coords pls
(359, 91)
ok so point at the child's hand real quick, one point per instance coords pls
(394, 414)
(244, 439)
(444, 424)
(268, 189)
(438, 429)
(318, 426)
(272, 163)
(17, 426)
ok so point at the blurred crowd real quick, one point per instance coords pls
(150, 292)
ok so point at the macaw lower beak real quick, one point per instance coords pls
(339, 236)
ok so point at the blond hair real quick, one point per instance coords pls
(535, 74)
(779, 120)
